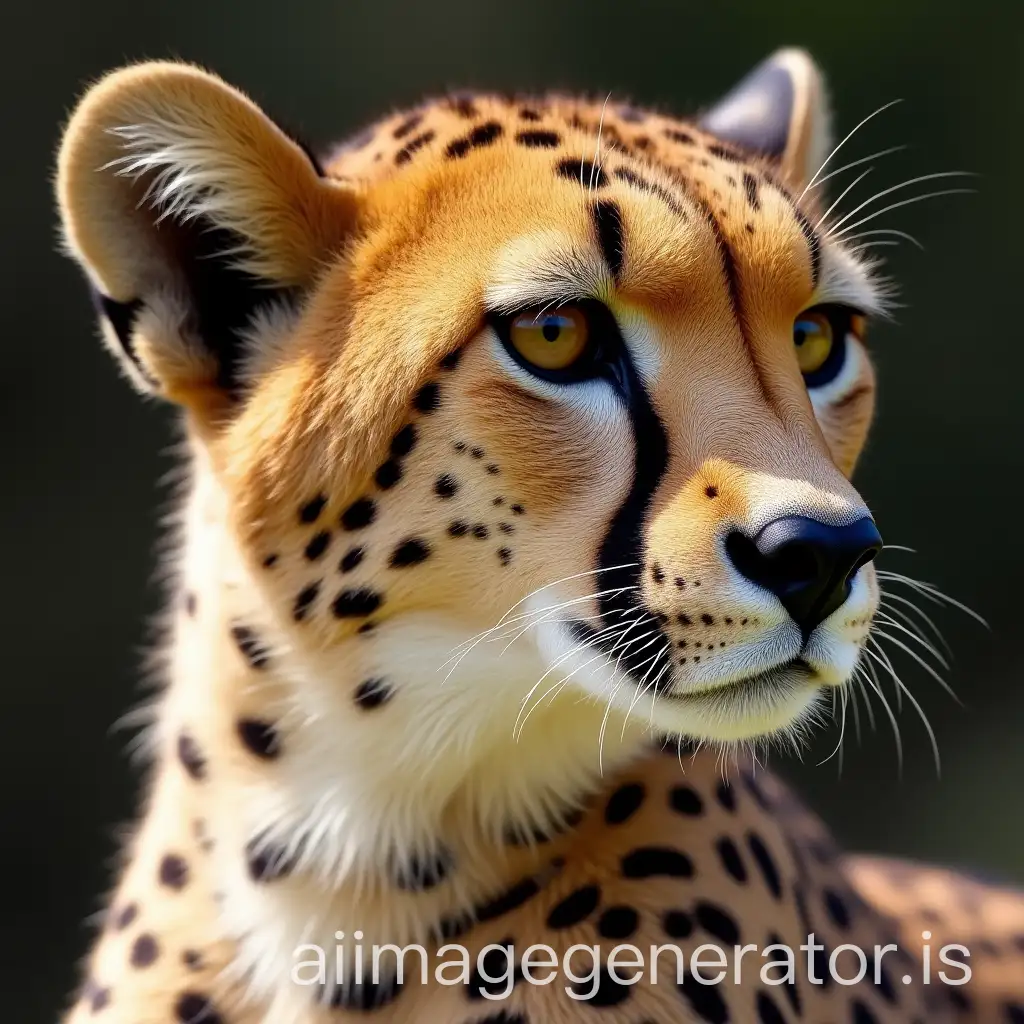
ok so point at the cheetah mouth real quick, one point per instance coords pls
(771, 685)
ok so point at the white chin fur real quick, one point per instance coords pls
(723, 715)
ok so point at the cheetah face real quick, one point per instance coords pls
(584, 403)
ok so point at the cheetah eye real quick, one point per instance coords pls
(819, 336)
(552, 340)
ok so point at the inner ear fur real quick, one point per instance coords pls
(781, 110)
(190, 211)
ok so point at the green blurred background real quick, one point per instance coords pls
(84, 458)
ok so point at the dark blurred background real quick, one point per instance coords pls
(84, 458)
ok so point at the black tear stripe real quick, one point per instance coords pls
(608, 222)
(750, 186)
(623, 545)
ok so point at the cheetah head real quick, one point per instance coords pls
(523, 401)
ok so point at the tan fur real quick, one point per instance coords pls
(389, 523)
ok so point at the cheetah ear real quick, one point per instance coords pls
(779, 109)
(190, 212)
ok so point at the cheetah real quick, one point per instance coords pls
(520, 433)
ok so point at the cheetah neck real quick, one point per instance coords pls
(358, 788)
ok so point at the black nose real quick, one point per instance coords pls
(807, 564)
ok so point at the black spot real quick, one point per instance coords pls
(539, 139)
(144, 951)
(813, 245)
(125, 916)
(351, 604)
(884, 983)
(267, 862)
(726, 794)
(481, 532)
(766, 863)
(404, 155)
(482, 135)
(428, 398)
(304, 600)
(502, 1017)
(750, 186)
(259, 737)
(529, 114)
(608, 223)
(173, 871)
(581, 171)
(655, 861)
(418, 874)
(708, 620)
(194, 1008)
(445, 486)
(677, 924)
(98, 996)
(712, 492)
(705, 1000)
(372, 693)
(450, 361)
(463, 105)
(685, 800)
(624, 803)
(723, 152)
(192, 959)
(767, 1011)
(404, 441)
(837, 909)
(731, 860)
(388, 474)
(517, 510)
(409, 552)
(505, 527)
(270, 561)
(618, 922)
(367, 627)
(657, 574)
(366, 996)
(408, 125)
(351, 559)
(310, 512)
(458, 528)
(576, 907)
(317, 545)
(715, 921)
(677, 135)
(607, 991)
(191, 757)
(504, 555)
(360, 513)
(511, 899)
(250, 645)
(477, 453)
(492, 469)
(861, 1013)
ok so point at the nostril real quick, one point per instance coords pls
(795, 564)
(743, 554)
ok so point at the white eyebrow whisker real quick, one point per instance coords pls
(857, 163)
(842, 195)
(849, 136)
(895, 188)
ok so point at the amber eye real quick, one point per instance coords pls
(550, 341)
(814, 338)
